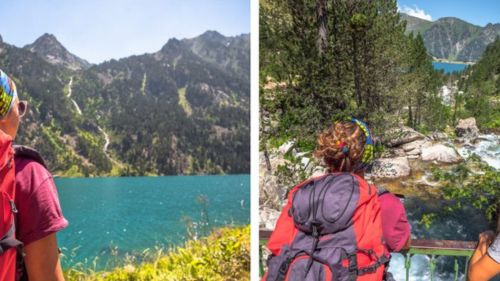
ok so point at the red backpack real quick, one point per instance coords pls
(330, 230)
(8, 242)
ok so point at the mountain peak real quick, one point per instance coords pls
(454, 20)
(48, 36)
(173, 45)
(452, 38)
(406, 16)
(47, 40)
(212, 35)
(49, 48)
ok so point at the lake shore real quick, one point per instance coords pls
(130, 214)
(453, 62)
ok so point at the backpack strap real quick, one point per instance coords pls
(372, 268)
(30, 153)
(8, 241)
(381, 190)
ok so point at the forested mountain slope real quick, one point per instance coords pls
(452, 38)
(181, 110)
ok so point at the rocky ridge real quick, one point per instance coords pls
(51, 50)
(452, 38)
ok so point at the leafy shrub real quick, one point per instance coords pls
(222, 256)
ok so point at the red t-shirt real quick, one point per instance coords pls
(37, 202)
(395, 226)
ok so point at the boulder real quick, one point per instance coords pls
(318, 171)
(268, 218)
(393, 153)
(286, 147)
(438, 136)
(415, 147)
(401, 135)
(441, 153)
(305, 162)
(467, 128)
(390, 168)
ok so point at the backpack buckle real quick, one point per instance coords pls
(370, 269)
(13, 206)
(353, 263)
(284, 267)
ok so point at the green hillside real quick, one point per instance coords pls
(127, 116)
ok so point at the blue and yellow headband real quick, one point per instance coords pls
(367, 157)
(8, 94)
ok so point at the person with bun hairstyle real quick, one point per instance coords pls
(347, 146)
(338, 224)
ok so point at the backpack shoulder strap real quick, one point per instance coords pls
(30, 153)
(290, 192)
(285, 231)
(381, 190)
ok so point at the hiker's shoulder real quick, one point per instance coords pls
(27, 155)
(30, 167)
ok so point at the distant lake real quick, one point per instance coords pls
(136, 213)
(449, 67)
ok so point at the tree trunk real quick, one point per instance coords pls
(322, 30)
(410, 115)
(357, 78)
(266, 155)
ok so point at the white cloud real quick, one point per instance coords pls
(415, 12)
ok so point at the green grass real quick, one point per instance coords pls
(183, 102)
(222, 256)
(143, 84)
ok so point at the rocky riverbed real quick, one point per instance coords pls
(404, 166)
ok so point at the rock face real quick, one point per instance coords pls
(54, 52)
(268, 218)
(272, 193)
(398, 136)
(467, 128)
(390, 168)
(441, 153)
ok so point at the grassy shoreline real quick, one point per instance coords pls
(222, 256)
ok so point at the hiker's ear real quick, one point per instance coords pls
(3, 124)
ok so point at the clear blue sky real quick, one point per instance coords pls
(478, 12)
(98, 30)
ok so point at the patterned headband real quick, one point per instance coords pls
(367, 157)
(8, 94)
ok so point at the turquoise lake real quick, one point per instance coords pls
(449, 67)
(112, 217)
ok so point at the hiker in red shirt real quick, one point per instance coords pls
(39, 214)
(338, 211)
